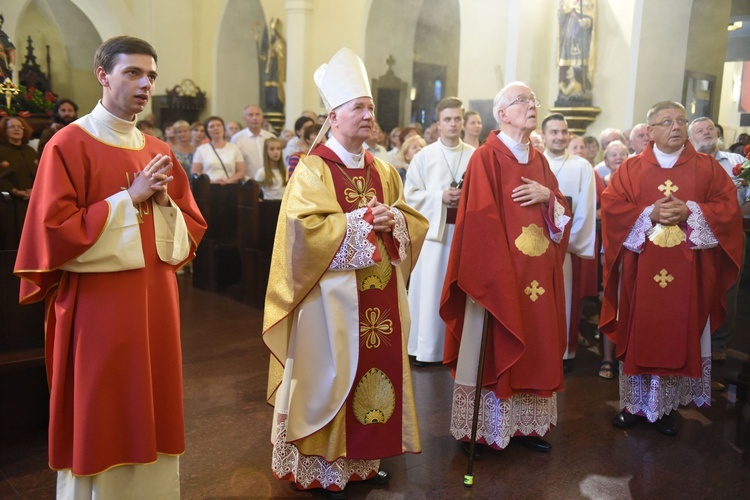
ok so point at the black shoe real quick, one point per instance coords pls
(624, 420)
(533, 443)
(420, 364)
(478, 450)
(334, 495)
(666, 425)
(380, 479)
(567, 365)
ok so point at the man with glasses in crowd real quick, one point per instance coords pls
(672, 234)
(506, 258)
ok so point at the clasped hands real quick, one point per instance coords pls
(152, 181)
(451, 196)
(530, 193)
(383, 218)
(669, 211)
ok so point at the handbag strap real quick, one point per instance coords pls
(219, 157)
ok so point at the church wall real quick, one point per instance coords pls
(729, 115)
(390, 34)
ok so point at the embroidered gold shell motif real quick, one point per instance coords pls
(532, 241)
(667, 236)
(374, 398)
(378, 275)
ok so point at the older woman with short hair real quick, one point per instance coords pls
(18, 160)
(614, 155)
(183, 148)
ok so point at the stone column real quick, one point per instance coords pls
(298, 27)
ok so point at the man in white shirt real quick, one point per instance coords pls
(372, 144)
(432, 187)
(705, 138)
(575, 178)
(250, 140)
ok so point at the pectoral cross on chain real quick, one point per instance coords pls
(668, 188)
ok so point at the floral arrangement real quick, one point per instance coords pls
(741, 173)
(28, 101)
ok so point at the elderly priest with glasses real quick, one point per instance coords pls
(506, 259)
(672, 235)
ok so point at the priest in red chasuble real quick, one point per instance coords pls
(506, 258)
(110, 220)
(336, 316)
(672, 235)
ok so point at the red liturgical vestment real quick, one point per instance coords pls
(106, 272)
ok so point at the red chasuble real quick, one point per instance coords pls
(667, 293)
(502, 257)
(112, 339)
(380, 321)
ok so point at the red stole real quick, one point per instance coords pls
(380, 353)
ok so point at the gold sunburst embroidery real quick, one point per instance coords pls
(532, 241)
(374, 398)
(374, 327)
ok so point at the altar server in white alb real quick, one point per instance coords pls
(575, 178)
(433, 187)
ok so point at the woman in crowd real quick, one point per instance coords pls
(614, 155)
(197, 134)
(307, 137)
(409, 148)
(273, 176)
(232, 128)
(394, 144)
(170, 136)
(183, 148)
(18, 163)
(472, 128)
(592, 149)
(220, 160)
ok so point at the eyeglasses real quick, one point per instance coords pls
(670, 123)
(524, 100)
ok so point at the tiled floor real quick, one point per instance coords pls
(228, 428)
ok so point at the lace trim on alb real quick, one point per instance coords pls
(700, 235)
(401, 235)
(637, 236)
(654, 396)
(560, 220)
(289, 463)
(501, 419)
(355, 251)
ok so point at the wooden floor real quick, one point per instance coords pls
(229, 424)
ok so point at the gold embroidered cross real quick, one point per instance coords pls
(663, 278)
(534, 291)
(668, 188)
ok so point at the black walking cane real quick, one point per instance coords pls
(469, 477)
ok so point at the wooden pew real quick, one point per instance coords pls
(256, 229)
(24, 396)
(216, 263)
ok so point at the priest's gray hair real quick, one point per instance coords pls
(503, 98)
(661, 106)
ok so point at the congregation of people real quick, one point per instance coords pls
(506, 234)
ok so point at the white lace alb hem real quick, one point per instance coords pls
(306, 469)
(654, 396)
(356, 251)
(637, 235)
(701, 235)
(501, 419)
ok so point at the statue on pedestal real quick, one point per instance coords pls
(576, 52)
(7, 53)
(273, 75)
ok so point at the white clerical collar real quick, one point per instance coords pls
(519, 150)
(350, 160)
(109, 129)
(667, 160)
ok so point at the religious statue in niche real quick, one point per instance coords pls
(576, 52)
(7, 53)
(273, 67)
